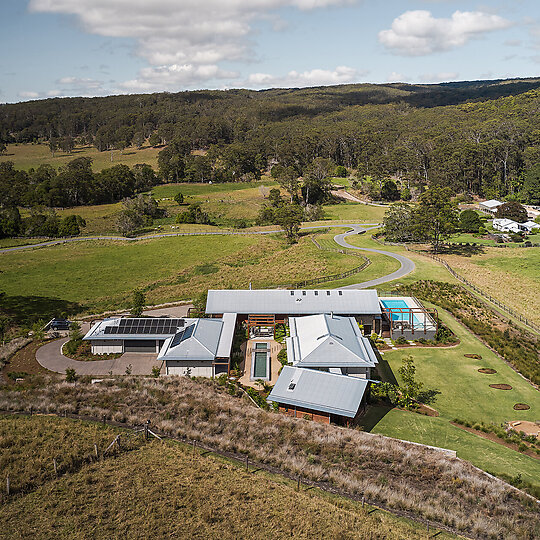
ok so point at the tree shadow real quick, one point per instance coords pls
(428, 397)
(373, 415)
(29, 309)
(464, 249)
(383, 369)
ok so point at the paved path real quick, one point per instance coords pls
(165, 235)
(407, 266)
(50, 357)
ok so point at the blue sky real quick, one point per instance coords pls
(101, 47)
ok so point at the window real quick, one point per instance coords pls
(292, 386)
(316, 293)
(292, 293)
(304, 293)
(340, 293)
(327, 293)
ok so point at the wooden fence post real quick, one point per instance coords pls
(247, 462)
(298, 486)
(7, 484)
(96, 451)
(55, 467)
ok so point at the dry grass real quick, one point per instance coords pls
(166, 491)
(402, 476)
(510, 275)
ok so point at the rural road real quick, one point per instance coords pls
(165, 235)
(407, 266)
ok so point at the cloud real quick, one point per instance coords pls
(182, 40)
(29, 94)
(438, 77)
(397, 77)
(80, 83)
(314, 77)
(417, 33)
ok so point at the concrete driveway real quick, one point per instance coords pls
(50, 357)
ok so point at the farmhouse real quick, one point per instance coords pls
(489, 207)
(330, 343)
(318, 395)
(198, 347)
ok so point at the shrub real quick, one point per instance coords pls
(71, 375)
(401, 340)
(156, 370)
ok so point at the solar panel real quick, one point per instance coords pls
(182, 335)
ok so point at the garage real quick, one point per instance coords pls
(140, 345)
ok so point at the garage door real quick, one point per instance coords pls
(140, 345)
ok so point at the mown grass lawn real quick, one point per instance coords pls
(354, 212)
(465, 394)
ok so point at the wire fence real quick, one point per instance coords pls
(472, 286)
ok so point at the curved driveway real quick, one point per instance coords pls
(407, 266)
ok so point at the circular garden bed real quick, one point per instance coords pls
(501, 386)
(521, 407)
(475, 356)
(487, 370)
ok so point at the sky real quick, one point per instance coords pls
(102, 47)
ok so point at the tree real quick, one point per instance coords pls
(138, 303)
(410, 387)
(512, 210)
(435, 218)
(144, 176)
(340, 172)
(179, 198)
(274, 197)
(154, 140)
(390, 191)
(398, 223)
(289, 217)
(469, 221)
(194, 214)
(3, 147)
(287, 178)
(71, 226)
(53, 145)
(530, 191)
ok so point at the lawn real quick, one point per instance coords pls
(102, 275)
(354, 212)
(163, 490)
(26, 156)
(465, 394)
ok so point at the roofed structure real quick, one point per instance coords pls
(328, 341)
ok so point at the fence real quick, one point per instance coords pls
(333, 277)
(476, 289)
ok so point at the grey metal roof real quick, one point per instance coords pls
(319, 390)
(299, 302)
(227, 335)
(492, 203)
(201, 342)
(328, 341)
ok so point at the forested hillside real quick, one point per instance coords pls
(477, 137)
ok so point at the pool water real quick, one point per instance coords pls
(260, 360)
(397, 316)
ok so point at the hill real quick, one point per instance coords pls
(398, 475)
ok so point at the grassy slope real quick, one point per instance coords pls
(102, 275)
(464, 393)
(511, 275)
(162, 490)
(26, 156)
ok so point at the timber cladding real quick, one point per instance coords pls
(308, 414)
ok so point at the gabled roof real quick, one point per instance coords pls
(295, 302)
(319, 390)
(328, 341)
(492, 203)
(198, 341)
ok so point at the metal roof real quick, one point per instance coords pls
(492, 203)
(295, 302)
(319, 390)
(328, 341)
(102, 329)
(227, 335)
(198, 341)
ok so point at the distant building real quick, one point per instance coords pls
(529, 226)
(489, 207)
(319, 396)
(508, 225)
(532, 211)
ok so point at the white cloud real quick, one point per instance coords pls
(397, 77)
(183, 40)
(80, 83)
(314, 77)
(29, 94)
(417, 33)
(438, 77)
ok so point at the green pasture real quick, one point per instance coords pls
(27, 156)
(354, 212)
(101, 275)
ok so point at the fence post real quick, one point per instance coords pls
(7, 484)
(247, 462)
(96, 451)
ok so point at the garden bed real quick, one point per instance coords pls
(501, 386)
(487, 371)
(521, 407)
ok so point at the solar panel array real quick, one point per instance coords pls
(146, 326)
(182, 335)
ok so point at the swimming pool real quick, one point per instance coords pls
(401, 316)
(260, 362)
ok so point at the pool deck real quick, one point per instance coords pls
(247, 349)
